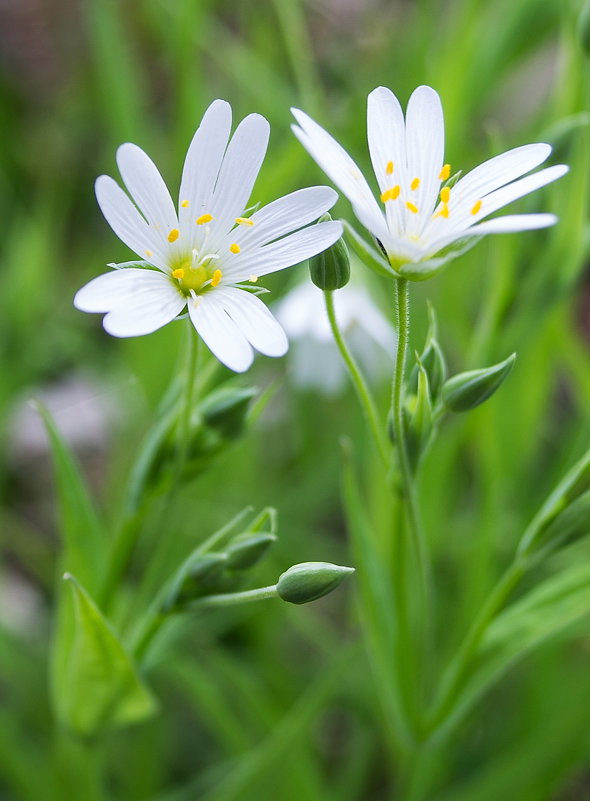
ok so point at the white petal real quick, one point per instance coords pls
(514, 222)
(241, 164)
(386, 133)
(285, 252)
(342, 170)
(483, 180)
(500, 170)
(221, 335)
(507, 194)
(137, 301)
(127, 223)
(425, 139)
(203, 162)
(254, 320)
(147, 188)
(284, 215)
(511, 223)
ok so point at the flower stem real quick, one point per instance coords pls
(360, 385)
(402, 315)
(235, 598)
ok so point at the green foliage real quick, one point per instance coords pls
(99, 687)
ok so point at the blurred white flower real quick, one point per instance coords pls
(316, 362)
(422, 216)
(207, 256)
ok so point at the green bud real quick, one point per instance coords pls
(248, 549)
(565, 515)
(420, 423)
(193, 579)
(467, 390)
(330, 269)
(309, 581)
(433, 361)
(224, 410)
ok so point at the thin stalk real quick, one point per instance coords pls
(234, 598)
(130, 529)
(360, 385)
(402, 315)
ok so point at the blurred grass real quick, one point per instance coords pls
(260, 704)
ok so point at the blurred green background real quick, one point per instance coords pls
(273, 701)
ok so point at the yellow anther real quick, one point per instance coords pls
(173, 235)
(415, 184)
(389, 167)
(179, 273)
(252, 279)
(149, 254)
(390, 194)
(204, 218)
(445, 194)
(476, 207)
(412, 207)
(443, 212)
(234, 248)
(445, 173)
(244, 221)
(216, 278)
(184, 204)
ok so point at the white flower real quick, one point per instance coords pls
(204, 255)
(419, 216)
(314, 354)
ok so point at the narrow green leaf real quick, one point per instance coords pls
(546, 612)
(100, 687)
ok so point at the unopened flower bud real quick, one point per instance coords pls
(248, 549)
(309, 581)
(330, 269)
(194, 578)
(467, 390)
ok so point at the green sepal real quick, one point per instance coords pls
(330, 269)
(432, 360)
(198, 575)
(249, 549)
(467, 390)
(419, 417)
(309, 581)
(370, 256)
(100, 687)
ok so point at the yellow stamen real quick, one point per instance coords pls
(244, 221)
(443, 212)
(445, 173)
(445, 194)
(149, 254)
(389, 167)
(476, 207)
(252, 279)
(184, 204)
(234, 248)
(415, 184)
(411, 207)
(173, 235)
(204, 218)
(390, 194)
(217, 275)
(179, 273)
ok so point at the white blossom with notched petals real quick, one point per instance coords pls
(207, 255)
(421, 221)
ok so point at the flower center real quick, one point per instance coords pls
(193, 275)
